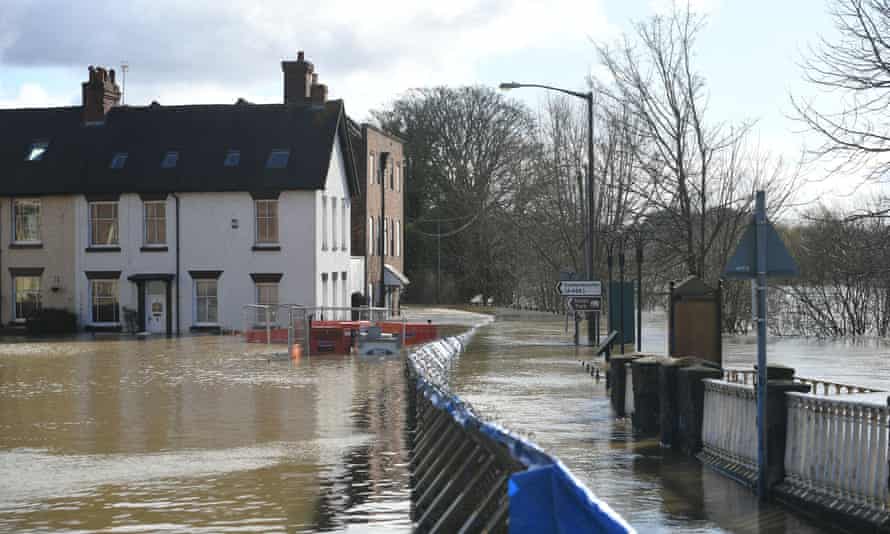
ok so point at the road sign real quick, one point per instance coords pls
(586, 303)
(743, 263)
(581, 288)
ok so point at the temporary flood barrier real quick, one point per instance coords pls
(469, 475)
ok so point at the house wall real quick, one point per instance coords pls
(390, 200)
(218, 233)
(334, 258)
(56, 255)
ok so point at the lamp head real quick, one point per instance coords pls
(506, 86)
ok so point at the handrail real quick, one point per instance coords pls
(829, 387)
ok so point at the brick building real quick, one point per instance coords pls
(378, 232)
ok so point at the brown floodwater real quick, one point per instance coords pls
(207, 434)
(524, 373)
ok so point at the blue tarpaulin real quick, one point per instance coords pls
(545, 497)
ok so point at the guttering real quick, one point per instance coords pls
(178, 300)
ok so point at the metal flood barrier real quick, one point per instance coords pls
(469, 475)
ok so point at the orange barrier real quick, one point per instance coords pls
(258, 335)
(330, 340)
(415, 333)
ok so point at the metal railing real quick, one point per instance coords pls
(819, 385)
(292, 324)
(839, 447)
(729, 423)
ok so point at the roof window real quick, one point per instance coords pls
(233, 158)
(37, 150)
(278, 159)
(118, 160)
(170, 159)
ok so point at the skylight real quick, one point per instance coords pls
(278, 159)
(170, 159)
(118, 160)
(37, 150)
(233, 158)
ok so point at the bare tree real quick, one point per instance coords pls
(855, 67)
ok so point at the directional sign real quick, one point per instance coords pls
(586, 303)
(585, 288)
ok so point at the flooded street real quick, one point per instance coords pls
(194, 435)
(525, 375)
(206, 434)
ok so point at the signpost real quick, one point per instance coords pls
(586, 303)
(761, 253)
(583, 296)
(580, 288)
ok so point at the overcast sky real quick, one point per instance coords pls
(213, 51)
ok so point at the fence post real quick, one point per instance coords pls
(645, 394)
(690, 405)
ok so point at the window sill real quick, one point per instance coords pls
(103, 249)
(103, 327)
(206, 327)
(266, 248)
(25, 244)
(153, 248)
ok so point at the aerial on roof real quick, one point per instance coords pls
(241, 147)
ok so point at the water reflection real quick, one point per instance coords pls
(201, 434)
(526, 375)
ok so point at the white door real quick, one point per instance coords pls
(156, 308)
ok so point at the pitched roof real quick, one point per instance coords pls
(78, 158)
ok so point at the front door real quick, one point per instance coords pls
(156, 308)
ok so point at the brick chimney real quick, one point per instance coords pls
(100, 94)
(319, 91)
(297, 80)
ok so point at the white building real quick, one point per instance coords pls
(184, 214)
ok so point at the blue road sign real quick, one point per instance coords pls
(743, 263)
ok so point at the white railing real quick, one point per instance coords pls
(629, 391)
(729, 424)
(819, 386)
(839, 446)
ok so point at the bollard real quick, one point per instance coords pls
(690, 405)
(617, 381)
(645, 394)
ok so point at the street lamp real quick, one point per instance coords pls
(590, 241)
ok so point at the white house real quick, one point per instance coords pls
(184, 214)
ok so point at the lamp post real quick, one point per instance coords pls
(590, 240)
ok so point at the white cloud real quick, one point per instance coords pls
(29, 95)
(367, 52)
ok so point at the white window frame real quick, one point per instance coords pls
(258, 286)
(15, 295)
(256, 221)
(371, 173)
(324, 222)
(197, 298)
(344, 224)
(335, 238)
(370, 235)
(116, 221)
(117, 299)
(16, 202)
(398, 237)
(146, 220)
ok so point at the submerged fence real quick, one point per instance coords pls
(729, 425)
(472, 476)
(839, 447)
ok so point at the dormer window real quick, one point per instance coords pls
(37, 150)
(278, 159)
(118, 160)
(233, 158)
(170, 159)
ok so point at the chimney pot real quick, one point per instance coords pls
(100, 93)
(300, 56)
(297, 80)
